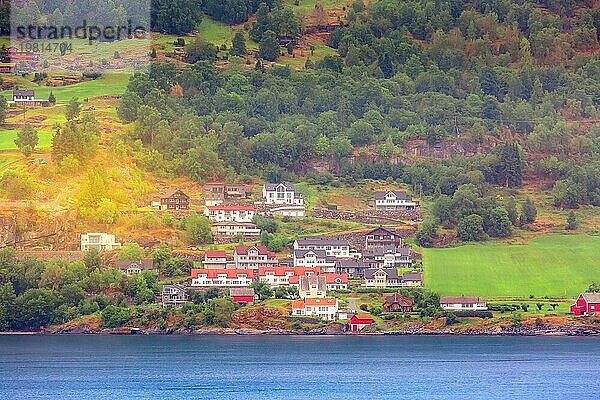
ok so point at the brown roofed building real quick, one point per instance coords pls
(216, 193)
(398, 303)
(174, 199)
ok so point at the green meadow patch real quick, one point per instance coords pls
(8, 136)
(553, 266)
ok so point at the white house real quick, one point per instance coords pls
(98, 241)
(388, 256)
(325, 308)
(221, 278)
(314, 258)
(338, 248)
(394, 200)
(463, 303)
(311, 286)
(284, 276)
(230, 213)
(283, 199)
(230, 230)
(384, 278)
(253, 257)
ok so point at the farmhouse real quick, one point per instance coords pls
(586, 304)
(284, 276)
(229, 213)
(359, 321)
(387, 257)
(352, 267)
(217, 193)
(379, 237)
(242, 296)
(463, 303)
(334, 247)
(137, 266)
(26, 98)
(98, 241)
(253, 257)
(382, 278)
(221, 277)
(398, 303)
(325, 308)
(314, 258)
(217, 259)
(394, 200)
(173, 200)
(230, 231)
(173, 295)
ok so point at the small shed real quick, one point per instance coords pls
(359, 321)
(242, 296)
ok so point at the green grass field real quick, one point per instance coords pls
(554, 266)
(8, 136)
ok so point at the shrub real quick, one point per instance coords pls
(17, 185)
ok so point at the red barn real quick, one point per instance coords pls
(359, 321)
(242, 296)
(587, 303)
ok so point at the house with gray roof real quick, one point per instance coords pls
(389, 277)
(387, 257)
(314, 258)
(136, 266)
(393, 200)
(335, 247)
(174, 295)
(351, 266)
(283, 199)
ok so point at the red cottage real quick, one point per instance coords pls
(587, 303)
(242, 296)
(359, 321)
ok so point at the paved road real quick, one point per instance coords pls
(352, 305)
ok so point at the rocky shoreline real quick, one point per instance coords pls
(566, 330)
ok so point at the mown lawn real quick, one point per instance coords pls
(8, 136)
(553, 265)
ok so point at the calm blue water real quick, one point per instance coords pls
(315, 368)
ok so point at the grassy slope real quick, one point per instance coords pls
(555, 266)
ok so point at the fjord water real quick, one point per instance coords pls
(293, 367)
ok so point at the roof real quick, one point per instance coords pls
(146, 263)
(272, 186)
(234, 223)
(305, 282)
(335, 278)
(298, 304)
(281, 271)
(230, 208)
(326, 301)
(350, 263)
(18, 92)
(214, 273)
(176, 286)
(399, 195)
(461, 300)
(412, 276)
(397, 298)
(591, 297)
(322, 241)
(392, 273)
(262, 250)
(171, 192)
(300, 253)
(390, 231)
(389, 249)
(363, 318)
(215, 254)
(241, 292)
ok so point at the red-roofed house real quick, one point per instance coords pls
(216, 259)
(242, 295)
(253, 257)
(284, 276)
(359, 321)
(336, 281)
(325, 308)
(230, 213)
(587, 303)
(221, 278)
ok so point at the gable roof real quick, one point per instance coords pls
(171, 192)
(397, 298)
(241, 292)
(18, 92)
(412, 276)
(176, 286)
(392, 273)
(215, 254)
(301, 253)
(262, 250)
(281, 271)
(397, 193)
(350, 263)
(461, 300)
(230, 208)
(388, 231)
(326, 301)
(362, 319)
(335, 278)
(305, 282)
(591, 297)
(389, 249)
(214, 273)
(272, 186)
(146, 263)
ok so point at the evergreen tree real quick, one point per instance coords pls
(529, 212)
(262, 24)
(27, 139)
(509, 168)
(73, 109)
(239, 45)
(259, 65)
(3, 108)
(268, 48)
(386, 65)
(511, 208)
(309, 64)
(571, 221)
(51, 98)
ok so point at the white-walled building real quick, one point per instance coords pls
(253, 257)
(325, 308)
(463, 303)
(99, 241)
(221, 278)
(282, 193)
(333, 247)
(284, 276)
(314, 259)
(394, 200)
(229, 213)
